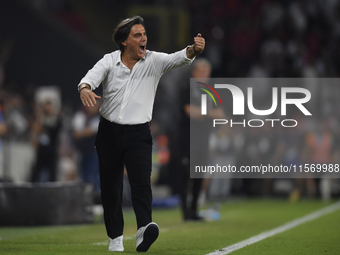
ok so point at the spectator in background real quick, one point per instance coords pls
(319, 151)
(191, 115)
(16, 143)
(85, 127)
(45, 133)
(17, 121)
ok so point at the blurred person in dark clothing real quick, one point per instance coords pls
(45, 134)
(191, 115)
(85, 127)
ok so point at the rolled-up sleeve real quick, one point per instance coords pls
(164, 62)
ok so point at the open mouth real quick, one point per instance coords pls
(142, 48)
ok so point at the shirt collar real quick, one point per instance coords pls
(119, 58)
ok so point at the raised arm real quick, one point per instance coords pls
(164, 62)
(197, 47)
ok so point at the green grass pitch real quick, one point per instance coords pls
(239, 220)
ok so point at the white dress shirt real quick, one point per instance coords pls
(128, 96)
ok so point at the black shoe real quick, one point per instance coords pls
(146, 236)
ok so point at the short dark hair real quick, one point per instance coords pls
(122, 31)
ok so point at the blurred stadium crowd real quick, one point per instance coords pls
(245, 38)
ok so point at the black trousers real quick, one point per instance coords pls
(129, 145)
(188, 186)
(197, 155)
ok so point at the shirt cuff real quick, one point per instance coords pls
(87, 82)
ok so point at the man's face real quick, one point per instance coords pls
(135, 44)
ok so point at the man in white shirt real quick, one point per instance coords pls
(129, 77)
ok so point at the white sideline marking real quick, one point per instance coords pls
(280, 229)
(102, 243)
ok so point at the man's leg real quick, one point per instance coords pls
(184, 175)
(111, 168)
(196, 190)
(198, 158)
(137, 160)
(184, 178)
